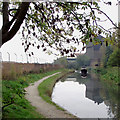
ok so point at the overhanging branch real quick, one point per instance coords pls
(23, 10)
(106, 16)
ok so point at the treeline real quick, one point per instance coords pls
(111, 62)
(74, 63)
(109, 70)
(112, 57)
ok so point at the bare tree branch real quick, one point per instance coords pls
(107, 17)
(7, 26)
(12, 10)
(23, 10)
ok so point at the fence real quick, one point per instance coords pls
(19, 58)
(10, 70)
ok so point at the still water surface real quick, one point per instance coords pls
(85, 97)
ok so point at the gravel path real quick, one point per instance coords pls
(44, 108)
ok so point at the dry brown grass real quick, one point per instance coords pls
(11, 70)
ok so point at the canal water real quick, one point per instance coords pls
(87, 97)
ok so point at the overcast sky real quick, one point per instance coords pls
(14, 46)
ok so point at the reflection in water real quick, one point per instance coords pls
(82, 97)
(93, 89)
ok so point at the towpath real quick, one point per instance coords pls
(44, 108)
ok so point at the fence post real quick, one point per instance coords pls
(37, 60)
(34, 59)
(27, 58)
(16, 56)
(0, 56)
(30, 59)
(22, 59)
(8, 56)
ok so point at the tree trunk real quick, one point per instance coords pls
(119, 36)
(5, 19)
(119, 26)
(8, 34)
(5, 13)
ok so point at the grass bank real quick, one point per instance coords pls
(14, 103)
(110, 74)
(109, 78)
(46, 87)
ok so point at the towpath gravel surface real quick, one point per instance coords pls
(44, 108)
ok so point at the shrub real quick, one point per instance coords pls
(114, 59)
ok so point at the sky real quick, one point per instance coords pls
(15, 49)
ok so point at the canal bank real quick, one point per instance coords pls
(14, 104)
(46, 87)
(109, 74)
(48, 109)
(86, 98)
(110, 78)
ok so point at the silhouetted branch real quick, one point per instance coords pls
(107, 17)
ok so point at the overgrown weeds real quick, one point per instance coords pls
(14, 103)
(110, 74)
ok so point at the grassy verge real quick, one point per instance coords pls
(110, 74)
(15, 105)
(46, 87)
(110, 92)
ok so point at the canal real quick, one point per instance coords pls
(87, 97)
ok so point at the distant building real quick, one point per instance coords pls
(96, 52)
